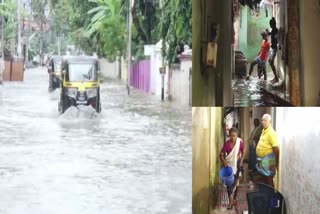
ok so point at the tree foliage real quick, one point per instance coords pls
(108, 28)
(175, 27)
(101, 25)
(145, 16)
(8, 11)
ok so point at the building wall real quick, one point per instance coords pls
(211, 87)
(124, 69)
(109, 69)
(299, 132)
(243, 31)
(216, 144)
(200, 160)
(156, 79)
(199, 89)
(310, 33)
(251, 27)
(207, 141)
(180, 82)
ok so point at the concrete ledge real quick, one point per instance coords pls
(274, 92)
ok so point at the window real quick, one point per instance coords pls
(81, 72)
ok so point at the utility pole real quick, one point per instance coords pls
(59, 41)
(24, 49)
(163, 70)
(19, 51)
(2, 34)
(129, 44)
(27, 37)
(2, 46)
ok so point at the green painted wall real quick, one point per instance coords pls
(250, 30)
(243, 31)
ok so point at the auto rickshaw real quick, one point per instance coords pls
(54, 70)
(80, 83)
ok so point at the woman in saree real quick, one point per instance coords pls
(232, 155)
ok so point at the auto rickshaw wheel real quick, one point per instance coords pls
(62, 105)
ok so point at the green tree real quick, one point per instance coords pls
(79, 20)
(60, 11)
(175, 27)
(40, 12)
(108, 28)
(8, 11)
(145, 16)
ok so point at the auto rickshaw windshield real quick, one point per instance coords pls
(81, 72)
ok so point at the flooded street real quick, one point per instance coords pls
(135, 157)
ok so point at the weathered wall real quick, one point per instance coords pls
(227, 65)
(211, 87)
(156, 79)
(245, 124)
(243, 30)
(251, 28)
(299, 132)
(216, 143)
(14, 73)
(124, 69)
(200, 160)
(109, 69)
(207, 141)
(180, 82)
(310, 33)
(203, 91)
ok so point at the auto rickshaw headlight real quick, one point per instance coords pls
(71, 92)
(92, 92)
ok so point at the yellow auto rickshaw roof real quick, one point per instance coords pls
(80, 60)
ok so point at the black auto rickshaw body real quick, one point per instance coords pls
(80, 83)
(54, 70)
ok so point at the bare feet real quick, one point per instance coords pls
(232, 203)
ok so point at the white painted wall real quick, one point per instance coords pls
(298, 131)
(156, 62)
(180, 83)
(109, 69)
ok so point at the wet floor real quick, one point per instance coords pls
(255, 92)
(133, 158)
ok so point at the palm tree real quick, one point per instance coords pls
(108, 27)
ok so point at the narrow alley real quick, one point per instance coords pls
(296, 166)
(232, 35)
